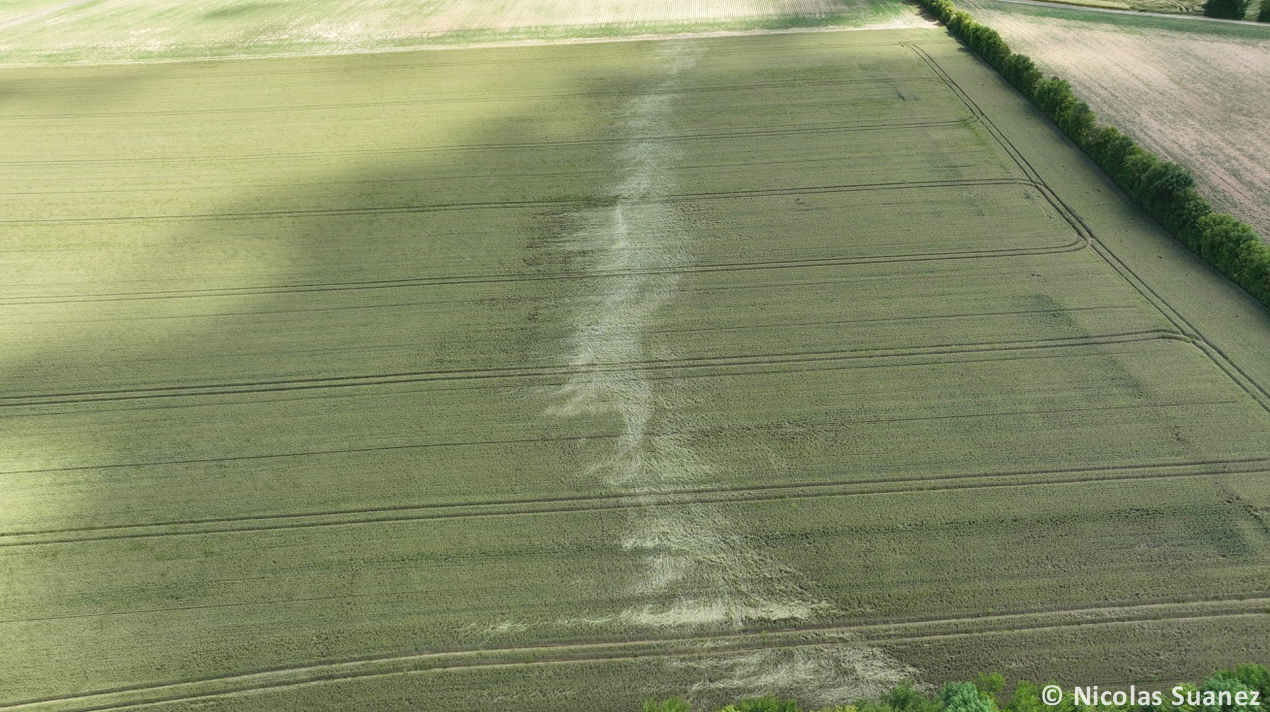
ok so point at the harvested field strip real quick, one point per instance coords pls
(382, 379)
(126, 31)
(674, 647)
(660, 497)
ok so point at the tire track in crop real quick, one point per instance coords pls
(579, 369)
(685, 648)
(573, 274)
(785, 369)
(755, 266)
(311, 453)
(432, 100)
(529, 277)
(659, 330)
(685, 496)
(493, 147)
(536, 440)
(560, 204)
(1259, 393)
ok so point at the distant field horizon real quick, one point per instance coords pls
(117, 31)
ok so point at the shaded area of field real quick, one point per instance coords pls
(1193, 93)
(514, 375)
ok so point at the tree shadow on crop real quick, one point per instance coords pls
(224, 362)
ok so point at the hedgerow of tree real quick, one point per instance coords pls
(1164, 190)
(1227, 9)
(987, 695)
(1263, 13)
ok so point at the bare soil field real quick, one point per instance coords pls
(142, 30)
(1195, 94)
(562, 377)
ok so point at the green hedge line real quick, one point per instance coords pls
(1227, 9)
(986, 695)
(1164, 190)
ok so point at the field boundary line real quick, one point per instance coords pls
(655, 648)
(577, 504)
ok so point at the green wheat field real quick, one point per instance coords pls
(563, 377)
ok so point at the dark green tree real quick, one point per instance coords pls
(960, 22)
(1228, 9)
(765, 704)
(991, 685)
(1077, 121)
(1184, 216)
(1159, 187)
(1027, 698)
(1221, 237)
(988, 44)
(1252, 272)
(965, 697)
(941, 9)
(1230, 685)
(1256, 677)
(904, 697)
(1109, 148)
(1020, 71)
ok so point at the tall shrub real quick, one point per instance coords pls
(1227, 9)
